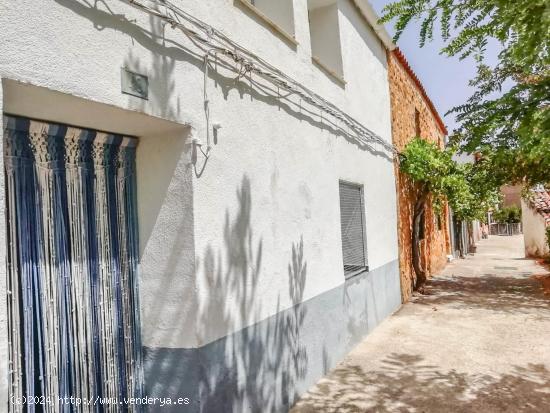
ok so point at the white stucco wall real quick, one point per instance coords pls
(534, 232)
(290, 170)
(216, 243)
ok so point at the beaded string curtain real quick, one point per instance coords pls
(72, 258)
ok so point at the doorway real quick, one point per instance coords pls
(72, 263)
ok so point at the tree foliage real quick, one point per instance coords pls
(507, 119)
(468, 188)
(510, 215)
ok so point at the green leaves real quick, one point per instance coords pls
(512, 128)
(469, 189)
(421, 159)
(510, 215)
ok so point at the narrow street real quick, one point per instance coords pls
(478, 341)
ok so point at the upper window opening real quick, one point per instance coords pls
(324, 32)
(279, 14)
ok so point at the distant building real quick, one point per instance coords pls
(511, 199)
(536, 220)
(511, 195)
(413, 114)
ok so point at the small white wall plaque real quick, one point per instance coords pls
(134, 84)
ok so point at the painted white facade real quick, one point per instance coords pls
(216, 236)
(534, 232)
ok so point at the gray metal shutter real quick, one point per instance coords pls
(352, 226)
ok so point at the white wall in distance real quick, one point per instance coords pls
(534, 232)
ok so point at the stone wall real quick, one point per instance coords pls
(408, 96)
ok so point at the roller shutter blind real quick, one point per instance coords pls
(352, 226)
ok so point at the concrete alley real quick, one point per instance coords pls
(478, 341)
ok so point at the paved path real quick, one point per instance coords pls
(478, 342)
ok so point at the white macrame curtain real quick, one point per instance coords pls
(72, 259)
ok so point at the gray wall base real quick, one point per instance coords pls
(267, 366)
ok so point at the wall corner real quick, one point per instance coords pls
(4, 357)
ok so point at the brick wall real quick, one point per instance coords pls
(511, 195)
(408, 96)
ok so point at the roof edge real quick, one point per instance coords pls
(404, 62)
(539, 201)
(372, 18)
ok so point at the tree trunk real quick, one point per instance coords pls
(471, 241)
(419, 210)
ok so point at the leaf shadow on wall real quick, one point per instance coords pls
(161, 78)
(254, 368)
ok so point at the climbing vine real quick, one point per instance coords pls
(468, 189)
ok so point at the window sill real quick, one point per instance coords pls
(339, 79)
(356, 273)
(287, 36)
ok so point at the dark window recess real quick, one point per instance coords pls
(417, 122)
(439, 222)
(352, 223)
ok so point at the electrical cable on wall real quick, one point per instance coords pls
(223, 51)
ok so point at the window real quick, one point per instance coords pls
(278, 14)
(325, 36)
(439, 222)
(417, 122)
(352, 224)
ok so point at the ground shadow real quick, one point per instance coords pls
(514, 294)
(405, 383)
